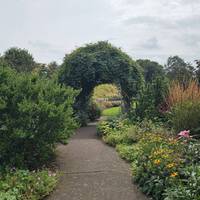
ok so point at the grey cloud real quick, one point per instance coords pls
(192, 40)
(149, 21)
(189, 22)
(50, 28)
(40, 44)
(151, 43)
(190, 1)
(45, 46)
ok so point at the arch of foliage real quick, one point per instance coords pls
(99, 63)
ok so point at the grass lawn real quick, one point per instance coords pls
(111, 111)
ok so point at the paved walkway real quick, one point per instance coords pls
(93, 171)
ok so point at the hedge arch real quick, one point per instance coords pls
(98, 63)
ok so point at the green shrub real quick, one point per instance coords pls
(187, 188)
(94, 111)
(26, 185)
(186, 116)
(35, 114)
(114, 138)
(151, 99)
(192, 152)
(157, 165)
(106, 127)
(128, 152)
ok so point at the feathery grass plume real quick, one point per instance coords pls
(178, 93)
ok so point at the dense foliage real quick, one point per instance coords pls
(99, 63)
(164, 166)
(26, 185)
(19, 59)
(35, 114)
(177, 69)
(151, 70)
(47, 71)
(150, 102)
(94, 112)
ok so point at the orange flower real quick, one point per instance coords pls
(174, 174)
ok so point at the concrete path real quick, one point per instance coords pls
(93, 171)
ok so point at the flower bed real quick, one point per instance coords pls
(164, 166)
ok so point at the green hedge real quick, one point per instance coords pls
(35, 114)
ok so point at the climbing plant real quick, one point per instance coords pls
(98, 63)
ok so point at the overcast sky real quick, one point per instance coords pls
(154, 29)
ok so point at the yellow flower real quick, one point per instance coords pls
(157, 162)
(170, 165)
(174, 174)
(165, 156)
(158, 152)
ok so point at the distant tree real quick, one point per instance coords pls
(46, 70)
(52, 68)
(154, 91)
(40, 69)
(2, 61)
(197, 72)
(19, 59)
(178, 69)
(151, 69)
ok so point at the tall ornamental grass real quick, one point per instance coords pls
(184, 106)
(178, 93)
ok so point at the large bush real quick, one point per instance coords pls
(151, 99)
(94, 112)
(35, 114)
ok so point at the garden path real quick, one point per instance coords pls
(92, 170)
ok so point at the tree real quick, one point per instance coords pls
(177, 69)
(19, 59)
(2, 61)
(151, 69)
(52, 67)
(197, 72)
(44, 70)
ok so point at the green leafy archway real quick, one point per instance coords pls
(99, 63)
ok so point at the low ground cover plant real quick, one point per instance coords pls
(26, 185)
(163, 165)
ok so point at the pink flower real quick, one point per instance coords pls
(184, 134)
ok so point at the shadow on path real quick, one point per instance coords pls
(92, 171)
